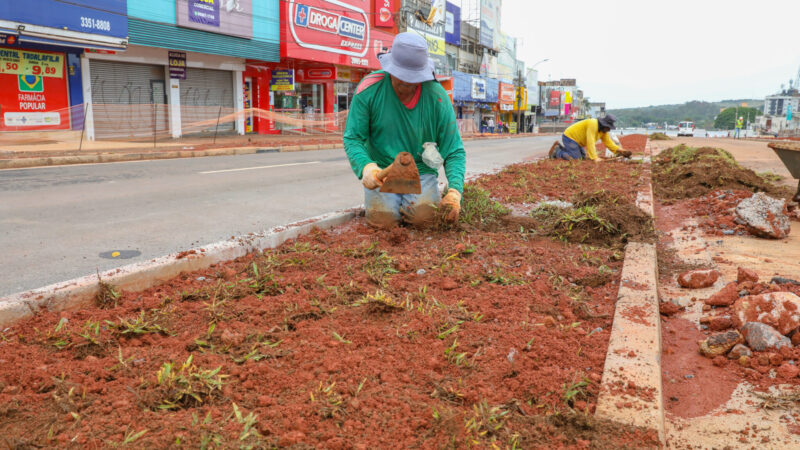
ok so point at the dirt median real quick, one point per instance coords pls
(477, 334)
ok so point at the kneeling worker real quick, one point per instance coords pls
(580, 138)
(400, 109)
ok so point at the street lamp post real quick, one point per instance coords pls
(519, 100)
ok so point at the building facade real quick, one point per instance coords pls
(42, 43)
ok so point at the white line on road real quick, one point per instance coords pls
(261, 167)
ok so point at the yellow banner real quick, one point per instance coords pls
(24, 62)
(435, 45)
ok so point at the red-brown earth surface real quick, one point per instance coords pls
(348, 338)
(693, 384)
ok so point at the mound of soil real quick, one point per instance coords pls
(686, 172)
(659, 137)
(637, 143)
(346, 338)
(598, 218)
(558, 179)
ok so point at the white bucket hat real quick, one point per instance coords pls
(408, 59)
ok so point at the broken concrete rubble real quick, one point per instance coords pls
(743, 275)
(720, 344)
(761, 337)
(725, 297)
(698, 279)
(780, 310)
(738, 351)
(764, 216)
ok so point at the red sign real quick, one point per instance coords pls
(333, 32)
(382, 12)
(316, 74)
(34, 94)
(555, 99)
(506, 92)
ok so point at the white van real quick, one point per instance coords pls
(686, 129)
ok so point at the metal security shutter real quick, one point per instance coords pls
(207, 95)
(128, 100)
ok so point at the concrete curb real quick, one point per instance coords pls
(136, 277)
(24, 163)
(631, 390)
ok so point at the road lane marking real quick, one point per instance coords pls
(260, 167)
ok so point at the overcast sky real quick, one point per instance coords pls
(650, 52)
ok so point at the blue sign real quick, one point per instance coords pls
(105, 17)
(205, 12)
(301, 15)
(452, 24)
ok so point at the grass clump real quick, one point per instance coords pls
(600, 218)
(187, 385)
(659, 137)
(137, 326)
(479, 210)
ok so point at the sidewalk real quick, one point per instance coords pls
(21, 150)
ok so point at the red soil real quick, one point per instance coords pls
(557, 179)
(351, 338)
(637, 143)
(693, 385)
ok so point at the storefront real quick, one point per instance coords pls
(156, 92)
(507, 102)
(325, 51)
(182, 73)
(41, 42)
(475, 99)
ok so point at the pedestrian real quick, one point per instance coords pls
(738, 129)
(490, 124)
(579, 140)
(401, 108)
(484, 126)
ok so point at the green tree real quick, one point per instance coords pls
(726, 120)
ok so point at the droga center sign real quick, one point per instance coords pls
(332, 31)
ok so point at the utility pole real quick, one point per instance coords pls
(519, 100)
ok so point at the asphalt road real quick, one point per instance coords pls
(56, 222)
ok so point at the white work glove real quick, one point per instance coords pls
(369, 176)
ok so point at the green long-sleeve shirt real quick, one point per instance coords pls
(379, 126)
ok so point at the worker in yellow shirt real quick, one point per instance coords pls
(578, 141)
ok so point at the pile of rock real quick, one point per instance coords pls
(764, 216)
(751, 316)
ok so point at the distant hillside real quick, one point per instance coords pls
(701, 113)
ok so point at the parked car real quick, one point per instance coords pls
(686, 129)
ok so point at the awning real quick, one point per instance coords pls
(54, 36)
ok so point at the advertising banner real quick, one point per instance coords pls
(506, 92)
(282, 80)
(382, 13)
(104, 17)
(522, 98)
(230, 17)
(478, 89)
(532, 82)
(452, 24)
(555, 99)
(434, 34)
(332, 32)
(25, 62)
(316, 74)
(490, 21)
(34, 94)
(177, 65)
